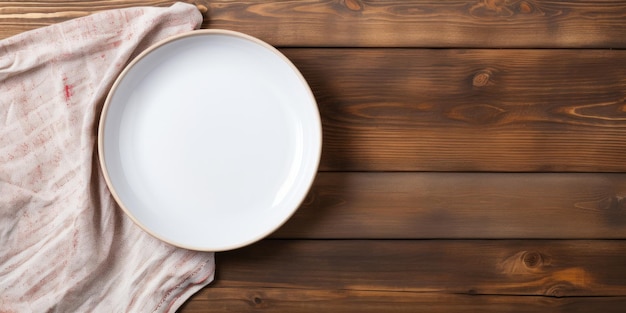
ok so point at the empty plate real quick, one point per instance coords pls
(210, 140)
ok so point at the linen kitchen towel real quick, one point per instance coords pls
(65, 246)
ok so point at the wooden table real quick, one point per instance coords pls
(474, 155)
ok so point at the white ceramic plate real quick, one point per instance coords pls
(210, 140)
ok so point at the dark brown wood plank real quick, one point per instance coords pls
(461, 205)
(427, 23)
(560, 268)
(469, 110)
(216, 299)
(377, 23)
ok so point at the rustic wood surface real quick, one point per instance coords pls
(408, 205)
(400, 275)
(376, 23)
(558, 268)
(474, 155)
(469, 109)
(279, 300)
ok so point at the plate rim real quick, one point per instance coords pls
(206, 32)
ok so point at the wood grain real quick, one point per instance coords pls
(551, 268)
(461, 205)
(469, 110)
(293, 300)
(427, 23)
(377, 23)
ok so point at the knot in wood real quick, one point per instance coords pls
(202, 8)
(525, 7)
(495, 5)
(257, 300)
(560, 289)
(532, 259)
(354, 5)
(481, 79)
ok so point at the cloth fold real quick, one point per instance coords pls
(65, 246)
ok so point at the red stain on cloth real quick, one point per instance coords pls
(68, 92)
(65, 245)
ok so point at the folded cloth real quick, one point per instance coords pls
(65, 246)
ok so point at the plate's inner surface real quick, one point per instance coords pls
(210, 141)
